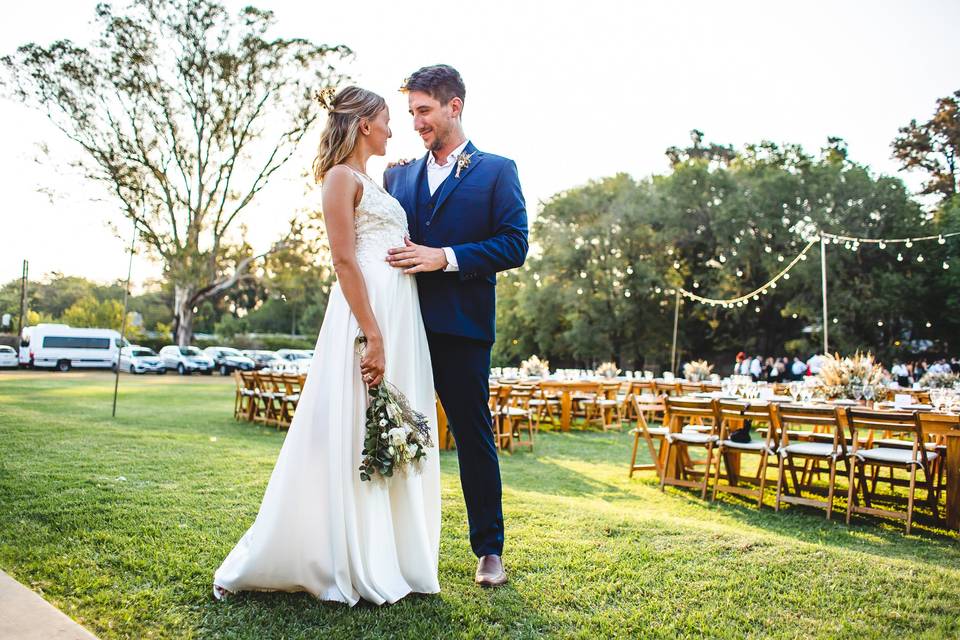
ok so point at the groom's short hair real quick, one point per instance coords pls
(440, 81)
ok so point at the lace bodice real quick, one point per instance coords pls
(380, 222)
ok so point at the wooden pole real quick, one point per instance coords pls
(23, 298)
(823, 288)
(123, 322)
(676, 322)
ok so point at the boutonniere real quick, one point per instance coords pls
(463, 161)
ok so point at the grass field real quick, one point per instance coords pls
(121, 523)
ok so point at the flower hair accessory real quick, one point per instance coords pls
(325, 98)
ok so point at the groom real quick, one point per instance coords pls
(467, 221)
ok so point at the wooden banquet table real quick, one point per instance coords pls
(947, 425)
(566, 388)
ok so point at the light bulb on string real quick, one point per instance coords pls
(908, 243)
(919, 257)
(899, 257)
(941, 240)
(929, 325)
(946, 265)
(882, 245)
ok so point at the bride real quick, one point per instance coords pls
(319, 528)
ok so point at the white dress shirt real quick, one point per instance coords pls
(436, 174)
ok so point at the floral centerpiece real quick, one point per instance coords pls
(839, 377)
(534, 366)
(697, 370)
(940, 380)
(395, 435)
(608, 370)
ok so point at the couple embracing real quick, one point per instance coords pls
(416, 263)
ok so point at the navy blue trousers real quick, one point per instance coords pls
(461, 370)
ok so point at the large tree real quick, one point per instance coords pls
(934, 148)
(183, 113)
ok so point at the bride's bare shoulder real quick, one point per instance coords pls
(341, 182)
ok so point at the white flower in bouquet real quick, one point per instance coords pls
(397, 436)
(608, 370)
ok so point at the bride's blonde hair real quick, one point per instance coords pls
(339, 137)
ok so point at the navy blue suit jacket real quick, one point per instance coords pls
(481, 216)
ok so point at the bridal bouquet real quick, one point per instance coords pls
(396, 435)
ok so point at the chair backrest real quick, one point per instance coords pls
(814, 419)
(643, 388)
(520, 396)
(727, 411)
(690, 387)
(609, 390)
(664, 388)
(891, 423)
(684, 408)
(245, 380)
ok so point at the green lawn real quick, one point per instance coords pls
(121, 523)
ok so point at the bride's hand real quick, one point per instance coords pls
(373, 363)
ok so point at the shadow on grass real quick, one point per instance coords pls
(295, 615)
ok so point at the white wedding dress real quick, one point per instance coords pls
(319, 528)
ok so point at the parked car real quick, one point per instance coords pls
(227, 360)
(262, 358)
(186, 359)
(297, 360)
(8, 357)
(137, 359)
(62, 347)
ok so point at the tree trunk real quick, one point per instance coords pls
(183, 296)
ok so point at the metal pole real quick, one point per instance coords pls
(123, 322)
(676, 322)
(823, 287)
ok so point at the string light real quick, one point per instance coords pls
(756, 293)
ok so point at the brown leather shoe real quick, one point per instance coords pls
(490, 572)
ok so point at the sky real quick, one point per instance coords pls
(572, 91)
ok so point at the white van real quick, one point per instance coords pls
(63, 347)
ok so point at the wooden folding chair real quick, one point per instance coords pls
(518, 416)
(644, 405)
(795, 425)
(546, 406)
(502, 436)
(245, 401)
(901, 423)
(290, 386)
(730, 415)
(607, 406)
(269, 395)
(681, 410)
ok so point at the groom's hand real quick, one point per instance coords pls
(400, 162)
(414, 258)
